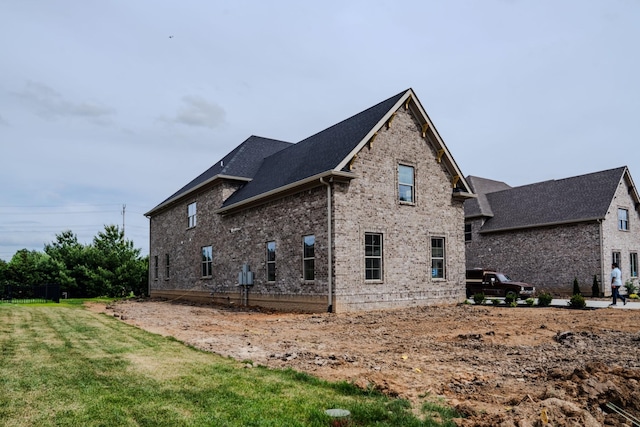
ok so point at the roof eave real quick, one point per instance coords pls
(285, 190)
(547, 224)
(192, 190)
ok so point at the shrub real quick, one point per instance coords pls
(576, 287)
(479, 298)
(544, 299)
(530, 301)
(495, 301)
(595, 287)
(577, 301)
(634, 296)
(510, 298)
(631, 287)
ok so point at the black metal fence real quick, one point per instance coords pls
(29, 294)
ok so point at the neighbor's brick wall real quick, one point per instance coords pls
(615, 240)
(370, 204)
(548, 258)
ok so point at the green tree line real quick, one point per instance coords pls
(109, 266)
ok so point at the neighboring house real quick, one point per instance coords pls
(552, 232)
(367, 214)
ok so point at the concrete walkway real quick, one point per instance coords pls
(560, 302)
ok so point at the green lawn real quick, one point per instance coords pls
(62, 365)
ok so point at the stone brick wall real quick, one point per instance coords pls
(368, 203)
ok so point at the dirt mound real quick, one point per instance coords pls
(498, 366)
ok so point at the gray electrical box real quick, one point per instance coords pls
(245, 277)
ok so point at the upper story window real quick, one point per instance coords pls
(207, 261)
(437, 257)
(373, 256)
(191, 214)
(623, 219)
(468, 232)
(271, 261)
(406, 186)
(308, 257)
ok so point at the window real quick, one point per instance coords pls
(271, 261)
(623, 219)
(191, 213)
(308, 257)
(405, 183)
(166, 266)
(155, 267)
(373, 256)
(468, 235)
(633, 264)
(615, 259)
(437, 257)
(207, 261)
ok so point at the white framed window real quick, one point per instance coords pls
(191, 215)
(207, 261)
(406, 187)
(373, 256)
(271, 261)
(437, 258)
(308, 257)
(633, 264)
(623, 219)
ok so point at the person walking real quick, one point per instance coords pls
(616, 283)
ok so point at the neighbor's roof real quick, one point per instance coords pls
(576, 199)
(479, 206)
(276, 167)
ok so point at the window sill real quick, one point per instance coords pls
(374, 282)
(404, 203)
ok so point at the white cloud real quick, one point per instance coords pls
(199, 112)
(50, 104)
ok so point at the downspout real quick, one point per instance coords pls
(329, 244)
(602, 255)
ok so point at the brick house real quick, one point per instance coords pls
(367, 214)
(551, 232)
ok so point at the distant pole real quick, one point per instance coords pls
(124, 207)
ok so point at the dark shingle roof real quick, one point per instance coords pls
(243, 162)
(319, 153)
(479, 206)
(575, 199)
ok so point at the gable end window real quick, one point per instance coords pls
(207, 261)
(623, 219)
(271, 261)
(166, 266)
(191, 214)
(308, 257)
(468, 232)
(155, 267)
(406, 187)
(373, 256)
(437, 258)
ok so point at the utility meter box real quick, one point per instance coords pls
(245, 277)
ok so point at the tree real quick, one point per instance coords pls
(72, 258)
(576, 287)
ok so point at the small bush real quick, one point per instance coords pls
(530, 301)
(595, 287)
(576, 287)
(634, 296)
(631, 287)
(510, 298)
(479, 298)
(577, 301)
(544, 299)
(495, 301)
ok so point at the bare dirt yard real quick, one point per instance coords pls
(499, 366)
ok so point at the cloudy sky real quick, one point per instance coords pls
(112, 103)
